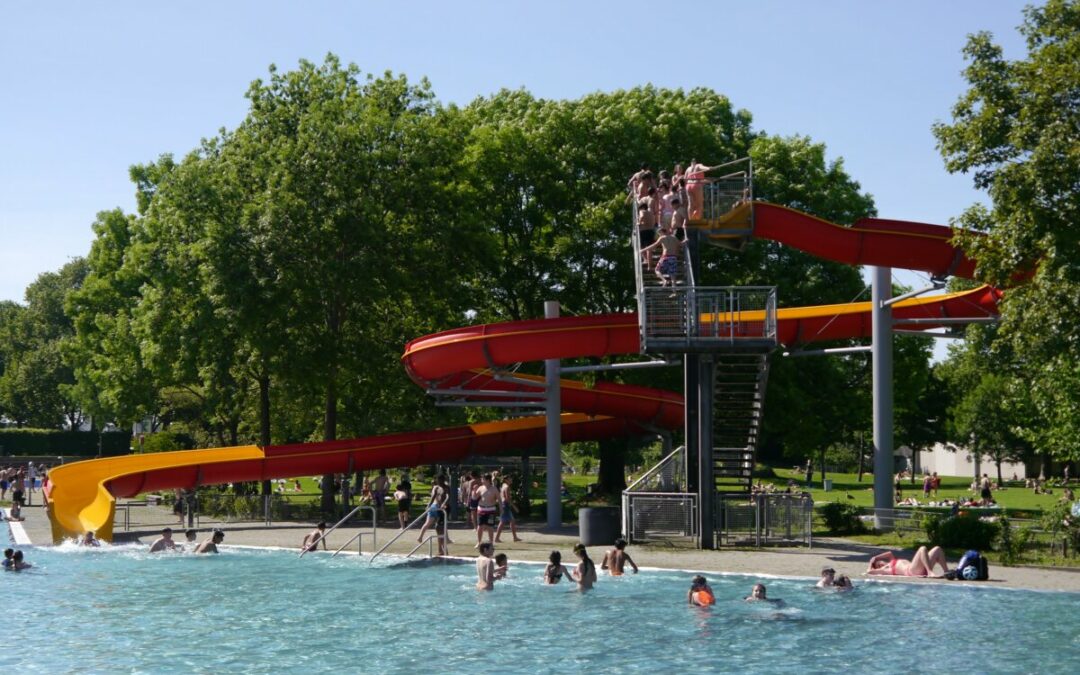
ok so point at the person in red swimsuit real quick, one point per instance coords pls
(921, 564)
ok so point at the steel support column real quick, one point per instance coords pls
(706, 481)
(554, 430)
(882, 352)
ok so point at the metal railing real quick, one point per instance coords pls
(423, 516)
(657, 505)
(703, 318)
(721, 194)
(652, 516)
(359, 536)
(761, 519)
(336, 526)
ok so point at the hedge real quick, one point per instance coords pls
(41, 442)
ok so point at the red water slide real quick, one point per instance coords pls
(81, 494)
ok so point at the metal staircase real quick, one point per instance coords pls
(730, 330)
(738, 406)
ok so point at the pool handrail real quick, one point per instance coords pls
(399, 535)
(360, 534)
(336, 526)
(408, 527)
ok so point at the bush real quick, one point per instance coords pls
(841, 518)
(764, 471)
(51, 442)
(963, 531)
(1012, 543)
(164, 441)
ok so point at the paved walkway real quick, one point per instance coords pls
(845, 556)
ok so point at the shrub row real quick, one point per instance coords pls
(39, 442)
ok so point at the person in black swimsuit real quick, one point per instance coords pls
(554, 571)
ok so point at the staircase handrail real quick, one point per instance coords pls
(655, 469)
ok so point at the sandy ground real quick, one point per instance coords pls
(846, 557)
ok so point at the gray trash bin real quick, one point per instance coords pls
(599, 525)
(827, 484)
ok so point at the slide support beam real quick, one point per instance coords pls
(882, 352)
(554, 430)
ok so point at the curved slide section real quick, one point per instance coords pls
(81, 495)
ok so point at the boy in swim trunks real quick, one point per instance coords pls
(486, 508)
(379, 487)
(668, 267)
(615, 559)
(507, 515)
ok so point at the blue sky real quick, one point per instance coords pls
(91, 88)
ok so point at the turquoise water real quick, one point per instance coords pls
(250, 610)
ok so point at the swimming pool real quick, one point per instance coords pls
(254, 610)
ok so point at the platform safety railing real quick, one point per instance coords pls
(658, 505)
(359, 536)
(722, 193)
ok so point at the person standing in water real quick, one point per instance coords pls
(211, 544)
(617, 558)
(554, 571)
(485, 568)
(164, 542)
(700, 593)
(585, 572)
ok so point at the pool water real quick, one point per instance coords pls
(255, 610)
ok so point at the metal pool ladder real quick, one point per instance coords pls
(341, 522)
(429, 541)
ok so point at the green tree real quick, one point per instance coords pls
(1015, 131)
(36, 380)
(111, 380)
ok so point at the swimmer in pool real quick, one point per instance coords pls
(9, 553)
(485, 568)
(617, 558)
(828, 578)
(17, 562)
(758, 594)
(89, 539)
(211, 544)
(585, 572)
(843, 583)
(921, 564)
(700, 593)
(164, 542)
(501, 566)
(312, 539)
(554, 571)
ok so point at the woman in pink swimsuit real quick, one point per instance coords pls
(695, 187)
(921, 564)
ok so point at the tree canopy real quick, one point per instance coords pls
(1016, 131)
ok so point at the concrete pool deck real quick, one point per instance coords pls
(846, 557)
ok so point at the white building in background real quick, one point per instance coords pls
(955, 461)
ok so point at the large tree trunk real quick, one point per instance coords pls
(611, 474)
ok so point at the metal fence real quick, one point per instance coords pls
(658, 506)
(764, 519)
(654, 516)
(703, 318)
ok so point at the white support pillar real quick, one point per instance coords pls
(554, 430)
(881, 330)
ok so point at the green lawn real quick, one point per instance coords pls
(845, 485)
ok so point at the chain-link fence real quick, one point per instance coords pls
(758, 520)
